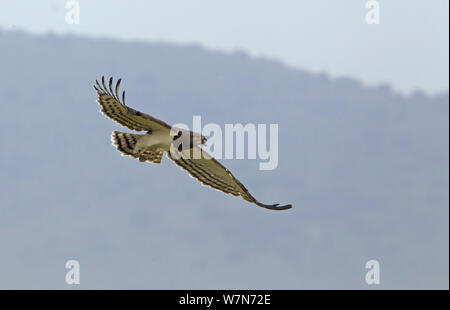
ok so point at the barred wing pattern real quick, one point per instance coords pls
(211, 173)
(125, 143)
(205, 168)
(116, 109)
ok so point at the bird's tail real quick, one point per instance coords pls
(126, 142)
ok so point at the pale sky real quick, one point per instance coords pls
(409, 49)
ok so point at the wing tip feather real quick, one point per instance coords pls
(276, 206)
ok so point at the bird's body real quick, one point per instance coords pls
(181, 146)
(157, 140)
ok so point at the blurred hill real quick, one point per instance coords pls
(366, 169)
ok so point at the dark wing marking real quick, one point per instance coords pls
(125, 143)
(211, 173)
(116, 109)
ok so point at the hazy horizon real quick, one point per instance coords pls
(365, 168)
(382, 84)
(407, 50)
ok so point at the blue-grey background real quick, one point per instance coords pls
(366, 168)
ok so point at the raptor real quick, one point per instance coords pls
(181, 146)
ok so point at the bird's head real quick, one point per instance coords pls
(185, 139)
(198, 138)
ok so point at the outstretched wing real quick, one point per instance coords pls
(116, 110)
(211, 173)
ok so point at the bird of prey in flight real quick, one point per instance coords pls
(179, 144)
